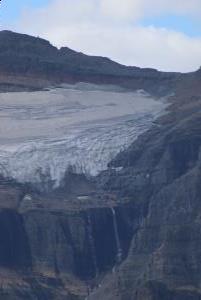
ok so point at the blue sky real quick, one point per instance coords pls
(11, 9)
(180, 23)
(164, 34)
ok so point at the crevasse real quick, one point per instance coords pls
(80, 130)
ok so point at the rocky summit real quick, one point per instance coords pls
(100, 177)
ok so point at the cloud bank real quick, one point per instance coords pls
(111, 28)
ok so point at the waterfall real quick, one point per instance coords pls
(91, 243)
(117, 239)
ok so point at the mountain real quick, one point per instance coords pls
(132, 231)
(30, 62)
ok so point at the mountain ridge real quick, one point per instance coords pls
(24, 58)
(65, 245)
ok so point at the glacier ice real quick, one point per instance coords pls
(78, 128)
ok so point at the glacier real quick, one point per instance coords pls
(77, 128)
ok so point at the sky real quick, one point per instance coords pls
(162, 34)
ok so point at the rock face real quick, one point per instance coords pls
(162, 170)
(29, 63)
(133, 233)
(60, 249)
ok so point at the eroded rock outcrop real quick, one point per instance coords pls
(58, 247)
(131, 234)
(163, 170)
(30, 63)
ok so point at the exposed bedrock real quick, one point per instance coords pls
(63, 250)
(30, 63)
(163, 169)
(134, 231)
(14, 246)
(131, 234)
(147, 205)
(68, 243)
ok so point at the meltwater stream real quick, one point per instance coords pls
(79, 128)
(117, 239)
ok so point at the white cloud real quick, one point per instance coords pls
(122, 9)
(104, 27)
(135, 9)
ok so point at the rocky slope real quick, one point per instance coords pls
(133, 233)
(161, 171)
(33, 63)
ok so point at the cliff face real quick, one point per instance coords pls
(133, 233)
(59, 250)
(162, 170)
